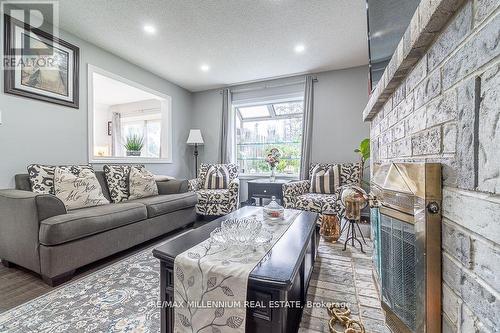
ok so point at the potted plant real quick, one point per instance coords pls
(134, 145)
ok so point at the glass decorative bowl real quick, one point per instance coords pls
(239, 232)
(274, 211)
(263, 238)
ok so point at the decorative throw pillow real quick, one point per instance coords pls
(42, 176)
(117, 180)
(325, 180)
(230, 167)
(141, 183)
(217, 178)
(78, 191)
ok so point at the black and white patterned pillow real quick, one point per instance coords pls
(217, 177)
(350, 173)
(325, 180)
(117, 178)
(142, 183)
(42, 176)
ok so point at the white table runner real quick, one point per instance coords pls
(210, 283)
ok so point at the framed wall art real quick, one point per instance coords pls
(39, 65)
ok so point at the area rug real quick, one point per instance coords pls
(118, 298)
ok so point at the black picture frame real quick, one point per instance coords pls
(10, 73)
(110, 128)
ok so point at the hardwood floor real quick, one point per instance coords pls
(19, 285)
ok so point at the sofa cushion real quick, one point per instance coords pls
(315, 202)
(349, 172)
(213, 196)
(142, 184)
(78, 191)
(84, 222)
(117, 179)
(164, 204)
(217, 178)
(22, 182)
(325, 180)
(104, 185)
(42, 176)
(231, 167)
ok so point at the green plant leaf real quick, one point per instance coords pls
(134, 143)
(364, 149)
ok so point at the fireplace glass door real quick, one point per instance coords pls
(398, 260)
(375, 236)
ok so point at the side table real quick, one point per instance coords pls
(264, 188)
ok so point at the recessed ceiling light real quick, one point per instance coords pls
(299, 48)
(149, 29)
(205, 67)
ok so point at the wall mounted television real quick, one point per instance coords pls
(387, 22)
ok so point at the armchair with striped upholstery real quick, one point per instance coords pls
(297, 195)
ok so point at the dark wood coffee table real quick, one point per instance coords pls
(282, 276)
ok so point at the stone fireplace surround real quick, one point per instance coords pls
(439, 101)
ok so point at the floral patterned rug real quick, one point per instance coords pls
(118, 298)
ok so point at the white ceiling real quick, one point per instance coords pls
(241, 40)
(117, 92)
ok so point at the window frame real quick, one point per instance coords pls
(272, 112)
(166, 112)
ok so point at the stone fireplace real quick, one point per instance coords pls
(439, 101)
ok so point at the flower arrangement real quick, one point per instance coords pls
(273, 157)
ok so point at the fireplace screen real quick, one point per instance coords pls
(408, 197)
(375, 236)
(398, 268)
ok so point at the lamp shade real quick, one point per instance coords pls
(195, 137)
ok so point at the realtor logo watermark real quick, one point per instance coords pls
(26, 47)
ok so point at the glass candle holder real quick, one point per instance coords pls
(330, 226)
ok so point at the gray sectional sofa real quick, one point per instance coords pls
(36, 231)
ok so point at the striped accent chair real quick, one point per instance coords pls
(304, 194)
(217, 188)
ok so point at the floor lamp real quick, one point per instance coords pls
(195, 139)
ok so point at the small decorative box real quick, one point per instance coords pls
(274, 211)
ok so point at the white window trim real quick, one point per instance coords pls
(90, 115)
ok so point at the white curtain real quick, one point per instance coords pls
(227, 138)
(117, 134)
(307, 127)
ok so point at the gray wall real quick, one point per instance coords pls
(207, 112)
(339, 99)
(38, 132)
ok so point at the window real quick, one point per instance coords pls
(262, 127)
(147, 127)
(128, 123)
